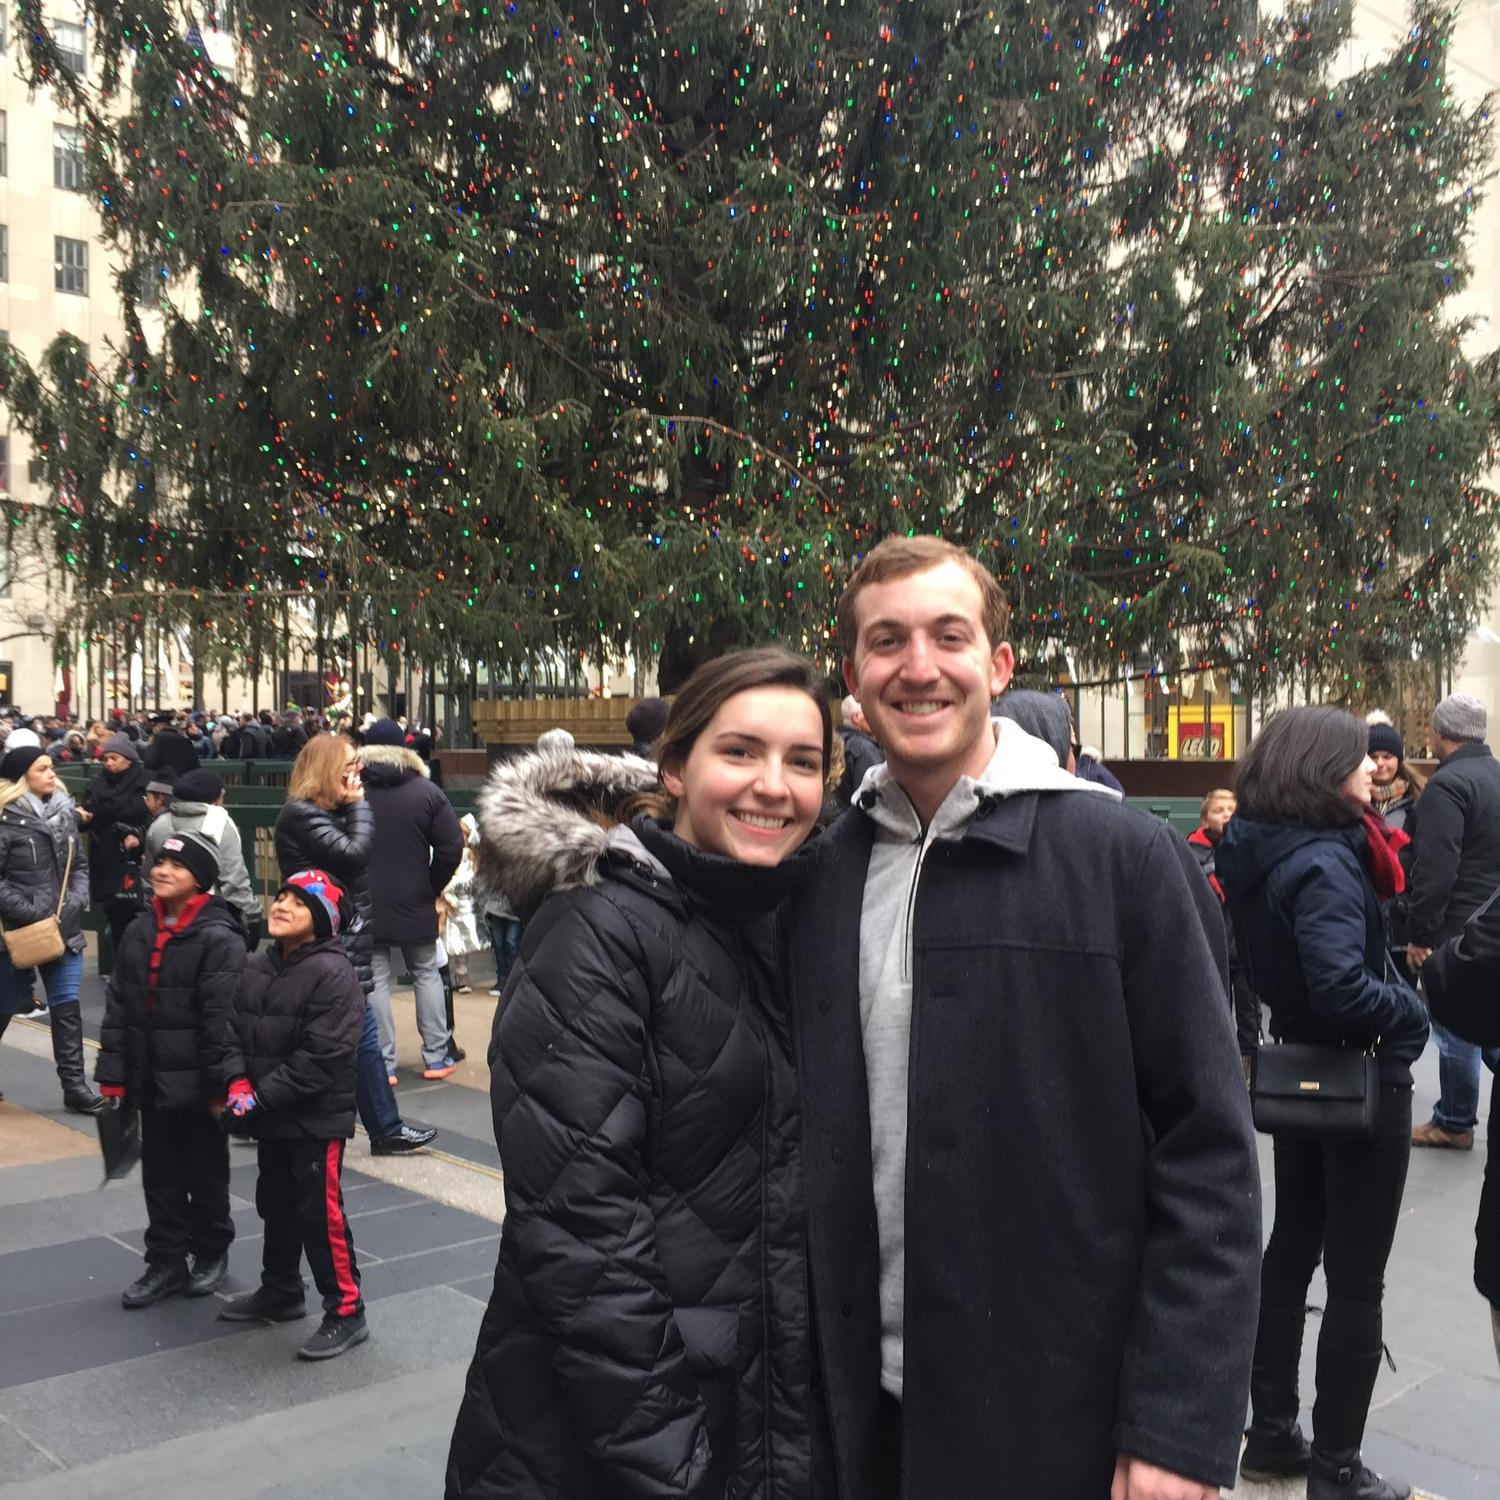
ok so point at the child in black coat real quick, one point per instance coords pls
(290, 1056)
(160, 1045)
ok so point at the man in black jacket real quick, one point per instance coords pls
(169, 748)
(1455, 865)
(290, 1064)
(860, 750)
(418, 846)
(1033, 1201)
(174, 981)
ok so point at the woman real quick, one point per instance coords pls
(40, 849)
(326, 824)
(1306, 865)
(115, 813)
(648, 1330)
(1394, 785)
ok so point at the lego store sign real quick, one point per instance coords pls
(1194, 737)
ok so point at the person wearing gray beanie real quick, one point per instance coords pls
(120, 744)
(1455, 867)
(1460, 718)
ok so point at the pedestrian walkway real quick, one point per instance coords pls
(97, 1403)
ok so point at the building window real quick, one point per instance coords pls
(148, 286)
(4, 252)
(68, 38)
(67, 158)
(70, 268)
(4, 144)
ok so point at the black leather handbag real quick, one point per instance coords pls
(1315, 1092)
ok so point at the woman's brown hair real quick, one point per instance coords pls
(712, 686)
(1295, 768)
(318, 771)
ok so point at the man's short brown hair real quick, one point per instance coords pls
(900, 557)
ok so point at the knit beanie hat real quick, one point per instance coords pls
(1460, 716)
(197, 786)
(196, 853)
(120, 744)
(321, 897)
(385, 732)
(647, 720)
(22, 739)
(19, 761)
(161, 781)
(1385, 739)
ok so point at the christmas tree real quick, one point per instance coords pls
(501, 328)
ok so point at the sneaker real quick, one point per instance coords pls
(443, 1070)
(207, 1274)
(334, 1336)
(408, 1138)
(495, 990)
(457, 1053)
(464, 989)
(391, 1079)
(262, 1306)
(1351, 1481)
(158, 1283)
(37, 1012)
(1433, 1134)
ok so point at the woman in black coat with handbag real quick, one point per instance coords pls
(326, 824)
(1306, 866)
(44, 875)
(1462, 981)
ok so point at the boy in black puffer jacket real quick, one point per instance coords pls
(174, 982)
(290, 1056)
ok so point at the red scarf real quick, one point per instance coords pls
(164, 935)
(1384, 842)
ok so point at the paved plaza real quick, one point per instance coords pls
(171, 1404)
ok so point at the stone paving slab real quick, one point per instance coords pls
(185, 1390)
(28, 1139)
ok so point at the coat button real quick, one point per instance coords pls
(846, 1310)
(838, 1153)
(825, 1004)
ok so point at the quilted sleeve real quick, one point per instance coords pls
(570, 1088)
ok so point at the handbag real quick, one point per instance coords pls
(1315, 1092)
(40, 942)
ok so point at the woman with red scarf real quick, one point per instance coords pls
(1307, 868)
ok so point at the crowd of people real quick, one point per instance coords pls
(876, 1105)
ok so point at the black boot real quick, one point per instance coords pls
(1274, 1445)
(1341, 1476)
(158, 1282)
(456, 1052)
(67, 1052)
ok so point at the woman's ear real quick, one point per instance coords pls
(671, 778)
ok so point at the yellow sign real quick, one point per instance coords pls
(1191, 740)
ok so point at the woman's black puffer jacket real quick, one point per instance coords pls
(117, 800)
(336, 841)
(33, 859)
(165, 1046)
(648, 1331)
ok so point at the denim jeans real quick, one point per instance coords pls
(373, 1095)
(432, 1012)
(1457, 1107)
(505, 939)
(60, 981)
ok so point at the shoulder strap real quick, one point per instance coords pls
(62, 892)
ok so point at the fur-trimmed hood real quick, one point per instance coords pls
(547, 820)
(390, 763)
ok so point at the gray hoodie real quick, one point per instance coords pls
(1021, 763)
(215, 824)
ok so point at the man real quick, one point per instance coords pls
(644, 724)
(860, 750)
(1033, 1202)
(417, 847)
(197, 806)
(289, 737)
(169, 749)
(1455, 865)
